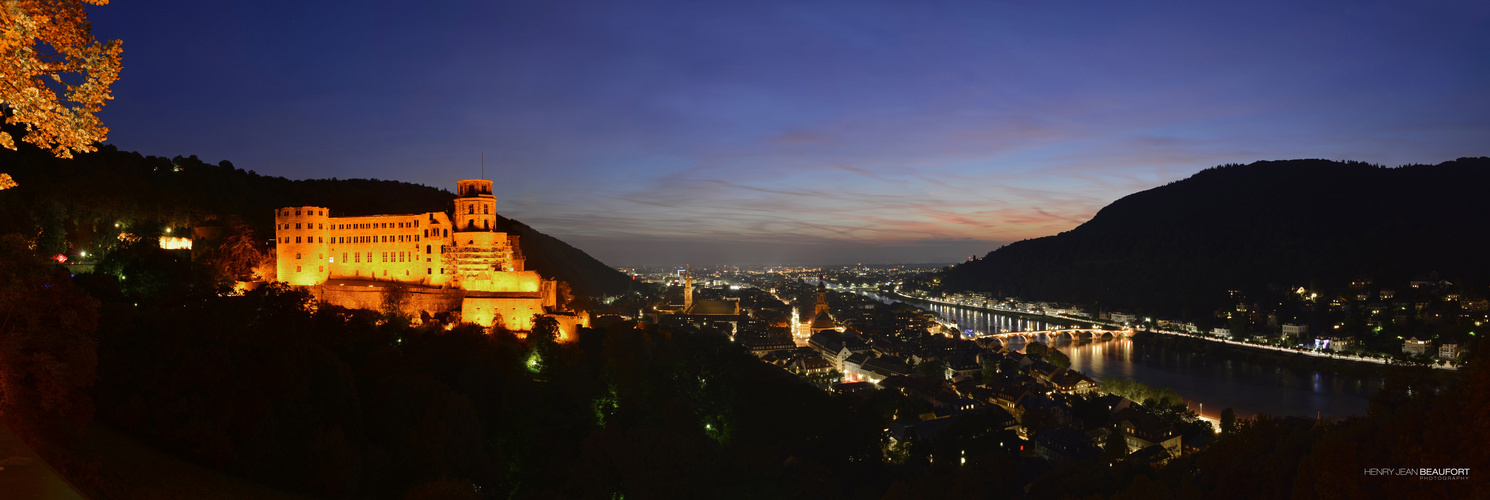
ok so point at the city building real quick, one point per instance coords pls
(448, 265)
(1416, 345)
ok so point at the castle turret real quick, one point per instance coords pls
(301, 245)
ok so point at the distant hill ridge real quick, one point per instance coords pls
(1177, 248)
(67, 199)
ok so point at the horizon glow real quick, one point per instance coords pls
(782, 132)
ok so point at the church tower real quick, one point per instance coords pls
(687, 293)
(822, 297)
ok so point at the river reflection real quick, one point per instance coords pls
(1211, 384)
(1208, 384)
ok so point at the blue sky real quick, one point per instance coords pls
(817, 132)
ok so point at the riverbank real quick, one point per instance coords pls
(1293, 361)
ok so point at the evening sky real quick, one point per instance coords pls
(797, 131)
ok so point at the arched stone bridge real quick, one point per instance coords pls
(1047, 336)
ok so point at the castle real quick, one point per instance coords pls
(461, 264)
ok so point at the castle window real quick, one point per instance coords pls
(297, 256)
(297, 212)
(426, 233)
(385, 256)
(427, 271)
(442, 270)
(385, 272)
(320, 239)
(343, 257)
(484, 209)
(320, 226)
(358, 255)
(369, 257)
(447, 233)
(320, 256)
(297, 225)
(297, 239)
(297, 269)
(320, 268)
(318, 212)
(428, 249)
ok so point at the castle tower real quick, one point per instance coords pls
(475, 207)
(301, 246)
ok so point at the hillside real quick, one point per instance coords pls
(1177, 248)
(66, 201)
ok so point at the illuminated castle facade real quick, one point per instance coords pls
(430, 252)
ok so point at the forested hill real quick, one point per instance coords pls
(1177, 248)
(65, 201)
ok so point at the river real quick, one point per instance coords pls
(1208, 384)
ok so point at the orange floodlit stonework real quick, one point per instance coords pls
(461, 264)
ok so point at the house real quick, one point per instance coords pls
(963, 364)
(884, 367)
(810, 365)
(1073, 382)
(854, 362)
(1043, 369)
(1448, 351)
(1221, 331)
(1124, 318)
(1065, 443)
(1142, 430)
(1295, 329)
(1416, 345)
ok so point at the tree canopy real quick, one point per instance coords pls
(54, 77)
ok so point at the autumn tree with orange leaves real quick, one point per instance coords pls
(54, 77)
